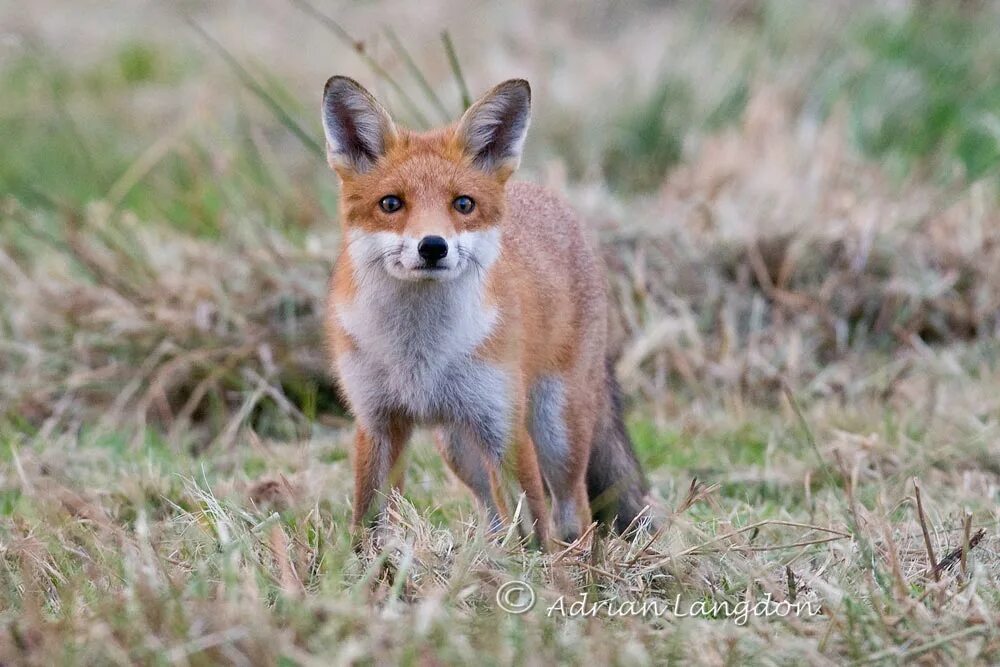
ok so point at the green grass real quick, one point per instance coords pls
(184, 556)
(928, 91)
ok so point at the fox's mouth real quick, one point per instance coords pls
(423, 270)
(422, 267)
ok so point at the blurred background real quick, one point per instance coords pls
(791, 190)
(799, 210)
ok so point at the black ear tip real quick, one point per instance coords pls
(338, 83)
(520, 85)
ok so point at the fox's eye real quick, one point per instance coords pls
(464, 204)
(390, 203)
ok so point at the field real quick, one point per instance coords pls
(799, 207)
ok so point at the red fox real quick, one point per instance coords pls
(476, 306)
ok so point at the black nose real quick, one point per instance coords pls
(432, 248)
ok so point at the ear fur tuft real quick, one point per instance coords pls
(358, 129)
(493, 129)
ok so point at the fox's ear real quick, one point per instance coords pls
(493, 129)
(358, 129)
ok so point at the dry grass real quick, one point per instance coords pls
(783, 255)
(808, 341)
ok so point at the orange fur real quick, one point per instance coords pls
(545, 294)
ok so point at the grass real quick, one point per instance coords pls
(803, 271)
(940, 75)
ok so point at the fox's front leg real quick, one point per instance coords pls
(377, 461)
(464, 455)
(529, 476)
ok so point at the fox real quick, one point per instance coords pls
(476, 306)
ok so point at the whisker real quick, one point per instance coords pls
(470, 257)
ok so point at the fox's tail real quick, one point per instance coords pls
(616, 483)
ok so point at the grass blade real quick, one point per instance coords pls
(418, 75)
(330, 24)
(449, 49)
(247, 80)
(931, 558)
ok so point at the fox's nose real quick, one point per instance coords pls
(432, 248)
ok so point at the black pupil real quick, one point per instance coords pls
(464, 204)
(390, 204)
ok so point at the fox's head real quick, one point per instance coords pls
(424, 206)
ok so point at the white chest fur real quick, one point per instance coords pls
(415, 344)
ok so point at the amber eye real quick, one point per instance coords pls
(390, 203)
(464, 204)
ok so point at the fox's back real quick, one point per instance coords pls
(548, 264)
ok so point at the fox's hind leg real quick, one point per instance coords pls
(554, 429)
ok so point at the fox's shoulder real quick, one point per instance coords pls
(530, 200)
(540, 221)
